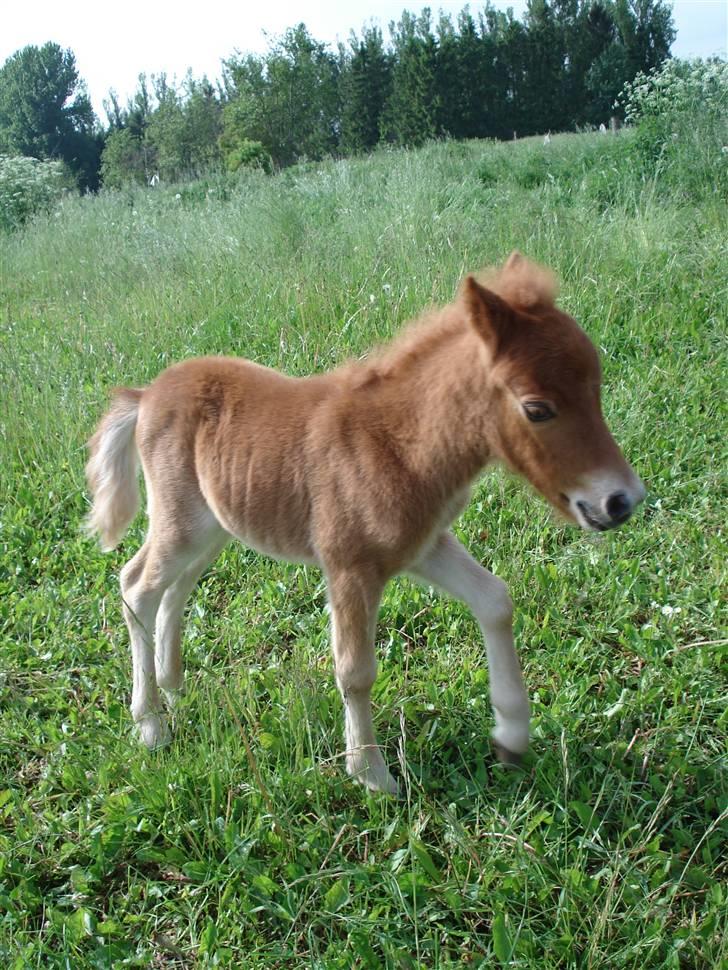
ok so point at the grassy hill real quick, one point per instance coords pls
(607, 850)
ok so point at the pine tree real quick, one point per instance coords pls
(365, 84)
(411, 114)
(543, 91)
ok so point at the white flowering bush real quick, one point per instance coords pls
(677, 88)
(680, 112)
(27, 186)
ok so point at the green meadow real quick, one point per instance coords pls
(243, 844)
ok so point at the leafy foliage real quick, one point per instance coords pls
(244, 153)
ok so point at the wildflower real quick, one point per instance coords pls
(666, 610)
(670, 610)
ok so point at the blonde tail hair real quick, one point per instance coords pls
(112, 470)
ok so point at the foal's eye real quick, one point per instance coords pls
(538, 411)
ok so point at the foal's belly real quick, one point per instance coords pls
(267, 509)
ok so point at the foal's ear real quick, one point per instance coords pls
(491, 316)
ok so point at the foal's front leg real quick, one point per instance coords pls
(355, 600)
(451, 567)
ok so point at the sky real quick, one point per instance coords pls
(113, 44)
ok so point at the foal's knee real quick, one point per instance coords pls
(496, 608)
(355, 676)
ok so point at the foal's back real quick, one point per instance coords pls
(226, 435)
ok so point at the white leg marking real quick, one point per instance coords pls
(144, 580)
(354, 613)
(451, 567)
(167, 652)
(140, 608)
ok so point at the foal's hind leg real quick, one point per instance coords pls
(168, 635)
(164, 557)
(354, 606)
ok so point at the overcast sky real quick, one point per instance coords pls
(113, 44)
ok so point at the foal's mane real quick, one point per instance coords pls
(519, 282)
(417, 341)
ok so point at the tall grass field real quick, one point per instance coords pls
(243, 844)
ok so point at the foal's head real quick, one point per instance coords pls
(546, 379)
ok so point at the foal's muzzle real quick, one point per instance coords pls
(609, 509)
(617, 509)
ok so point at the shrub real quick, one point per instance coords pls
(27, 186)
(680, 112)
(247, 154)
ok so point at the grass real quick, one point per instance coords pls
(243, 844)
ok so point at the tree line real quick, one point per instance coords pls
(482, 75)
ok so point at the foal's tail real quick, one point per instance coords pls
(112, 470)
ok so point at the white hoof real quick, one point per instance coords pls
(511, 736)
(153, 731)
(367, 767)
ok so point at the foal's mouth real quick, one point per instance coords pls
(599, 524)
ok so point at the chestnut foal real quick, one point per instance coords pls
(361, 472)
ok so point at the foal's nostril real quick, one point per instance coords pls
(618, 507)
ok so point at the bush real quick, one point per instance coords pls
(27, 186)
(680, 112)
(247, 154)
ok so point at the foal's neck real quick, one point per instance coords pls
(434, 405)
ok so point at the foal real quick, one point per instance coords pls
(361, 472)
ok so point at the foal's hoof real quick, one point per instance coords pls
(374, 776)
(381, 781)
(506, 757)
(153, 731)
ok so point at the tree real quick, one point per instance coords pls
(46, 113)
(647, 32)
(124, 159)
(449, 97)
(288, 100)
(365, 82)
(509, 44)
(184, 129)
(471, 97)
(544, 92)
(642, 37)
(129, 155)
(412, 111)
(594, 34)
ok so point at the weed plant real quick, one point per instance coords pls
(243, 844)
(28, 186)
